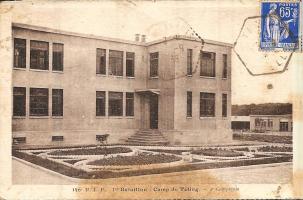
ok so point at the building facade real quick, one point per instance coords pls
(68, 88)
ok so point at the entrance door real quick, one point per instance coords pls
(153, 110)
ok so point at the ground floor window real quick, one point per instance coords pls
(100, 103)
(57, 102)
(129, 104)
(283, 126)
(189, 104)
(224, 105)
(115, 104)
(207, 104)
(38, 101)
(19, 101)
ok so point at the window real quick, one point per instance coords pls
(129, 104)
(19, 53)
(207, 64)
(257, 122)
(19, 100)
(270, 123)
(116, 63)
(154, 64)
(100, 103)
(38, 101)
(283, 126)
(101, 61)
(58, 57)
(224, 105)
(189, 104)
(19, 140)
(39, 55)
(224, 75)
(207, 104)
(189, 62)
(115, 104)
(130, 64)
(57, 102)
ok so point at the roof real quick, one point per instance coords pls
(240, 118)
(286, 115)
(91, 36)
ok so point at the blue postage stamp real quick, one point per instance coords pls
(280, 25)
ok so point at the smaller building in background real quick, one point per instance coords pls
(262, 123)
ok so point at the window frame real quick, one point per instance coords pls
(189, 62)
(224, 105)
(118, 72)
(154, 62)
(205, 101)
(61, 103)
(100, 104)
(31, 102)
(23, 113)
(225, 66)
(58, 68)
(23, 59)
(111, 106)
(130, 104)
(189, 104)
(204, 68)
(101, 68)
(130, 58)
(46, 57)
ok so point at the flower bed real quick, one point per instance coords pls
(91, 151)
(263, 138)
(141, 159)
(178, 152)
(217, 152)
(275, 149)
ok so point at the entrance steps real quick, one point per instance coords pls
(148, 137)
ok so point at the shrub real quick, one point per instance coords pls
(91, 151)
(217, 152)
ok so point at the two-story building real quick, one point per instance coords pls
(68, 88)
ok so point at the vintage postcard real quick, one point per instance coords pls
(151, 99)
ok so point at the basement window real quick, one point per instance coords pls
(57, 138)
(19, 140)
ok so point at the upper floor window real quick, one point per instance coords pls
(189, 62)
(58, 57)
(207, 64)
(207, 104)
(39, 55)
(38, 101)
(224, 75)
(129, 104)
(189, 104)
(154, 64)
(116, 63)
(100, 103)
(115, 104)
(57, 102)
(19, 53)
(19, 99)
(101, 61)
(224, 105)
(130, 64)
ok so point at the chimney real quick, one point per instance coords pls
(137, 37)
(143, 38)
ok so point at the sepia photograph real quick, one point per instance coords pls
(151, 99)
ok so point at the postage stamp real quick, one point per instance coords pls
(280, 26)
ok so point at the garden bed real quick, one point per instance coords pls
(217, 152)
(140, 159)
(263, 138)
(91, 151)
(275, 149)
(172, 151)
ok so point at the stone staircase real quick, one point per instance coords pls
(148, 137)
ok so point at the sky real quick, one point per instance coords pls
(215, 20)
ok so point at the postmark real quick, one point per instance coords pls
(280, 26)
